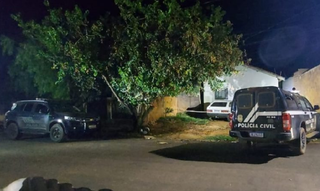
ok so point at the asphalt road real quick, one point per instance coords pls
(146, 165)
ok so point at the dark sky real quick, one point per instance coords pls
(279, 35)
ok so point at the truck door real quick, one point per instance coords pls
(312, 121)
(307, 115)
(41, 117)
(24, 118)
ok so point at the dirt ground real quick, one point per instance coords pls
(182, 131)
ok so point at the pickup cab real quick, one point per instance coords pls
(272, 115)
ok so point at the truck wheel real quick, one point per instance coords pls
(57, 133)
(301, 144)
(12, 131)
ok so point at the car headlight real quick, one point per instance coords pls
(70, 118)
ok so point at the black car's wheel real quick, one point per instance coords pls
(301, 144)
(57, 133)
(12, 131)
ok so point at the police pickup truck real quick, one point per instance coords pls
(269, 114)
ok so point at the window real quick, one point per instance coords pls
(219, 104)
(292, 104)
(308, 104)
(41, 109)
(245, 101)
(222, 94)
(266, 99)
(28, 107)
(302, 104)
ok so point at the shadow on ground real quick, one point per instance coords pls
(224, 153)
(84, 138)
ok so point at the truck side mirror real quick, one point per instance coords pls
(316, 107)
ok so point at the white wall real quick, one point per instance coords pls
(208, 93)
(245, 78)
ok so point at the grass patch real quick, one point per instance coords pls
(182, 117)
(220, 138)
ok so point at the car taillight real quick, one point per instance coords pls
(208, 110)
(230, 120)
(225, 111)
(286, 122)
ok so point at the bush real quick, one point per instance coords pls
(183, 117)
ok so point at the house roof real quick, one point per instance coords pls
(280, 78)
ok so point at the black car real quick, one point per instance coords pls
(58, 118)
(272, 115)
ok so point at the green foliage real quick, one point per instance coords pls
(163, 49)
(7, 45)
(153, 49)
(34, 76)
(61, 54)
(168, 110)
(182, 117)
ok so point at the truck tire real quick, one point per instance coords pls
(301, 144)
(57, 133)
(12, 131)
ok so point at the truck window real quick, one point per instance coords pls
(302, 104)
(292, 104)
(266, 99)
(308, 104)
(28, 107)
(41, 109)
(219, 104)
(245, 101)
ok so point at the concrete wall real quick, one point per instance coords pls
(159, 108)
(178, 104)
(185, 101)
(245, 77)
(308, 84)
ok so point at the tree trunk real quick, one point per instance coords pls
(140, 114)
(202, 97)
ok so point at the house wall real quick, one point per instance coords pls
(245, 77)
(308, 84)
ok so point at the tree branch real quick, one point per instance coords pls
(115, 94)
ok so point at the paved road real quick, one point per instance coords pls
(146, 165)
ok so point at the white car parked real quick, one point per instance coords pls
(219, 109)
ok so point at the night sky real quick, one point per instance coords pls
(279, 35)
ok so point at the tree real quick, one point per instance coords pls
(32, 75)
(151, 50)
(164, 49)
(55, 53)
